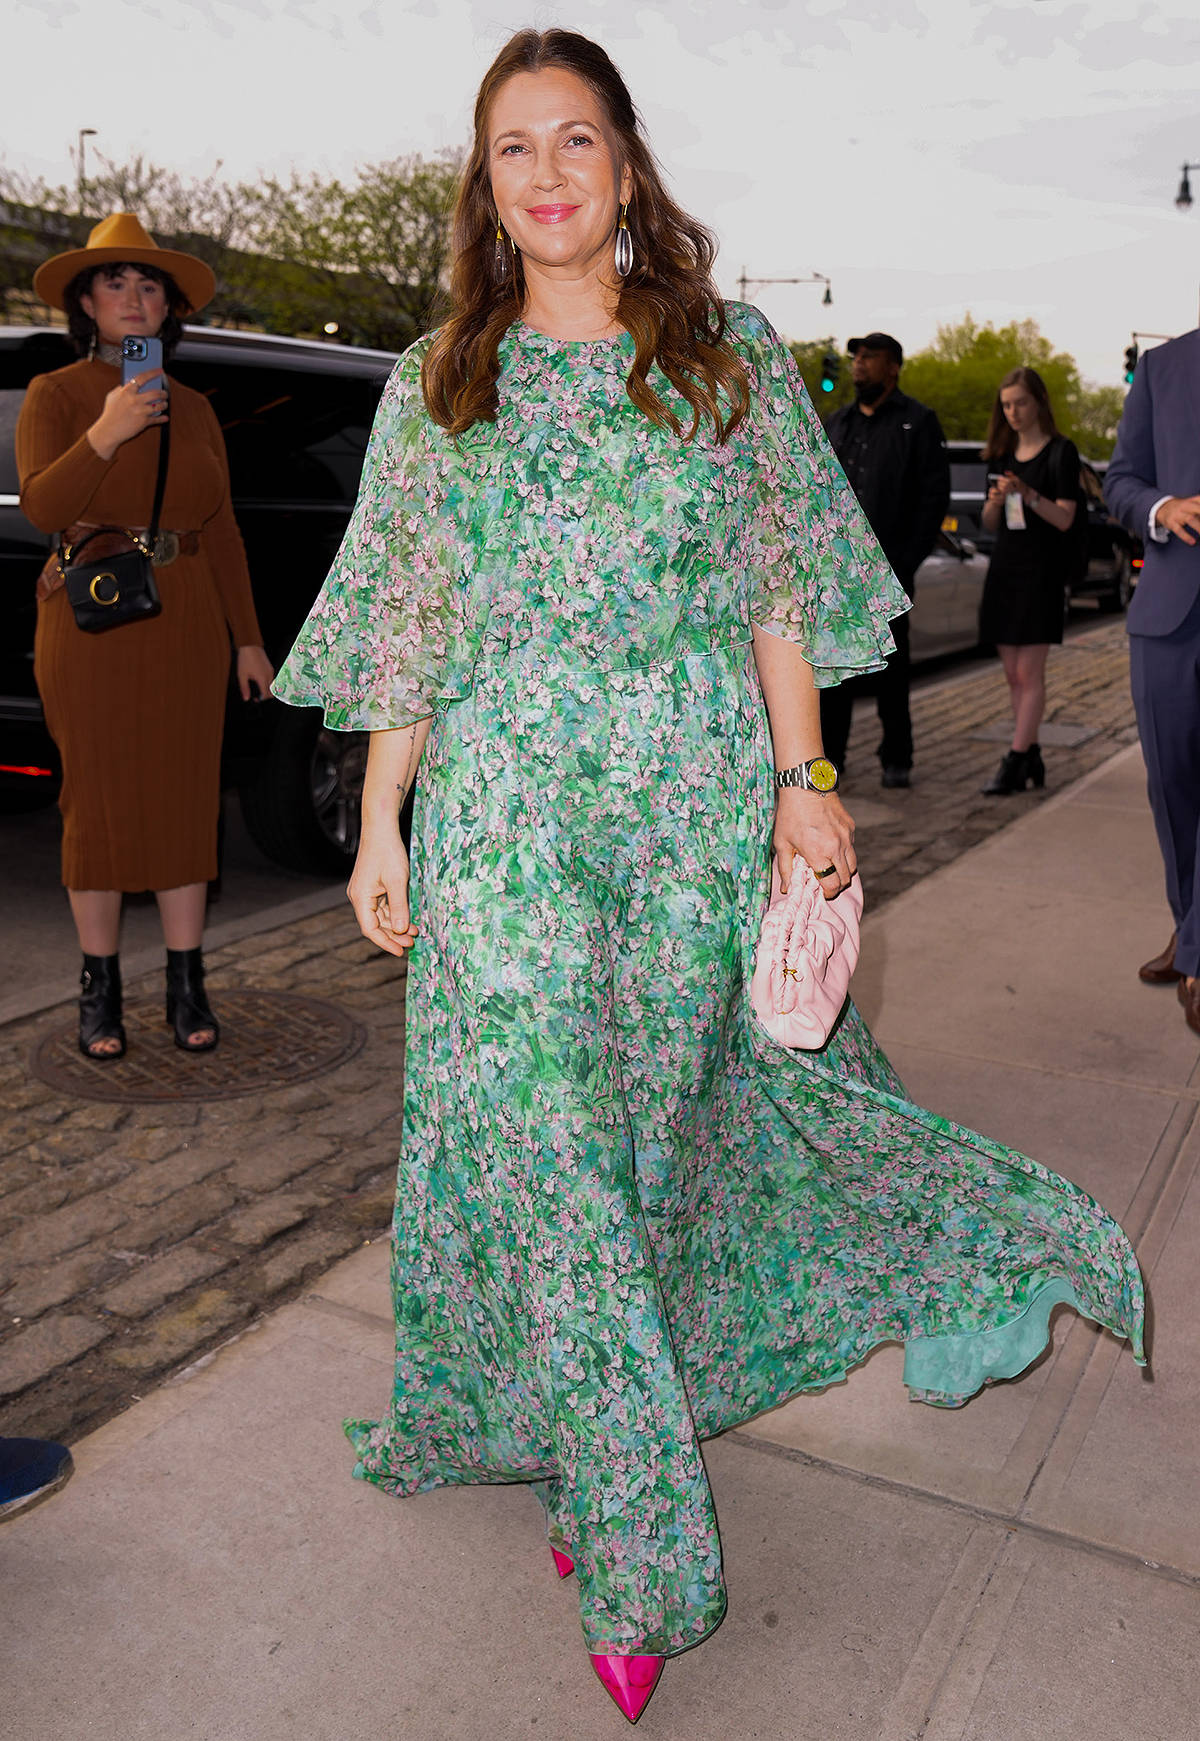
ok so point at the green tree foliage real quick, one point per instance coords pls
(810, 356)
(960, 372)
(1095, 417)
(369, 254)
(959, 375)
(289, 256)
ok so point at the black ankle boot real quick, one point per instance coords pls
(100, 1007)
(1011, 776)
(187, 1006)
(1037, 767)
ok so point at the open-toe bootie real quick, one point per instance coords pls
(188, 1010)
(100, 1008)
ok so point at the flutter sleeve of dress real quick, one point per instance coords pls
(818, 575)
(391, 638)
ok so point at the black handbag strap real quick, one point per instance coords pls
(160, 481)
(160, 485)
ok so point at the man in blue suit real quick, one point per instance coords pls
(1153, 488)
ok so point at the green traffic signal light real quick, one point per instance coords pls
(829, 371)
(1131, 363)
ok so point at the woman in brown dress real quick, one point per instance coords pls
(137, 712)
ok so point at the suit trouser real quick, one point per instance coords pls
(1165, 677)
(890, 689)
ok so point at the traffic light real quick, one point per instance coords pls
(1131, 361)
(830, 365)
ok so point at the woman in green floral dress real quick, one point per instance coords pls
(599, 525)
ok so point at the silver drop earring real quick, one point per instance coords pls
(623, 258)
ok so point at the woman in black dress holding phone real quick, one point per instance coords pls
(1032, 503)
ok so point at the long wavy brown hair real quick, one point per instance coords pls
(1001, 437)
(668, 304)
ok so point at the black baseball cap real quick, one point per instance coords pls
(879, 341)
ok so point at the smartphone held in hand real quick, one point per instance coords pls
(138, 355)
(1014, 512)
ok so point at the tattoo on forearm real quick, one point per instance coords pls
(403, 785)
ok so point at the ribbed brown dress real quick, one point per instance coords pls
(137, 712)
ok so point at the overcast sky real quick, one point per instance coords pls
(1010, 157)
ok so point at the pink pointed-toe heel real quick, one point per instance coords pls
(630, 1680)
(564, 1565)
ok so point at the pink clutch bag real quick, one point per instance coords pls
(806, 953)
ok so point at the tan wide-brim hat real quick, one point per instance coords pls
(117, 239)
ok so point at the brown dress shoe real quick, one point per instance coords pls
(1162, 970)
(1189, 997)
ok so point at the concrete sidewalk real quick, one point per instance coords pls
(1024, 1569)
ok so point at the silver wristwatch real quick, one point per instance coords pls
(817, 775)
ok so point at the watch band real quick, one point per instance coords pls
(818, 774)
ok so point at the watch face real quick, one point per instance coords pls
(822, 775)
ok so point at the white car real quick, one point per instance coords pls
(945, 613)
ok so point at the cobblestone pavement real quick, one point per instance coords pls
(903, 835)
(133, 1238)
(136, 1238)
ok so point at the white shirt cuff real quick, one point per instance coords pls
(1158, 533)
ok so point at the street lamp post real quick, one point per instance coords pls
(829, 364)
(744, 282)
(1183, 199)
(81, 184)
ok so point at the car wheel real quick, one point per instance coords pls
(303, 803)
(1119, 594)
(24, 800)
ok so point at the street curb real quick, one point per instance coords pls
(51, 993)
(1048, 805)
(54, 992)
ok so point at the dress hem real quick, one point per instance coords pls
(971, 1360)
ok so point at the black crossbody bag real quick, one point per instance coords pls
(119, 588)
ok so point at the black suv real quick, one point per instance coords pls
(1114, 558)
(296, 415)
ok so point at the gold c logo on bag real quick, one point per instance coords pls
(106, 597)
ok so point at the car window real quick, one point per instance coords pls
(10, 408)
(964, 479)
(291, 435)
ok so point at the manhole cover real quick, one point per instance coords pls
(269, 1039)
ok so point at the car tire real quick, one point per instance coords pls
(25, 800)
(1118, 595)
(303, 802)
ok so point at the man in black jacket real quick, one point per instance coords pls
(894, 454)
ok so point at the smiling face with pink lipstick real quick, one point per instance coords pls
(557, 150)
(558, 182)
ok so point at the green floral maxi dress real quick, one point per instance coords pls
(626, 1219)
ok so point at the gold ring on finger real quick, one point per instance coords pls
(830, 871)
